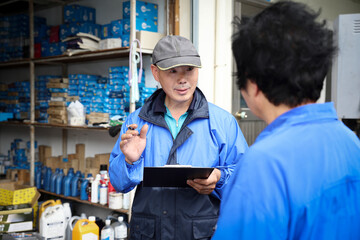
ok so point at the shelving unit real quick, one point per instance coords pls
(31, 63)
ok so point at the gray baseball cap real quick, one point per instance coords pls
(175, 51)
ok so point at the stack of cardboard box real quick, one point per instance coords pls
(18, 207)
(96, 117)
(93, 163)
(57, 105)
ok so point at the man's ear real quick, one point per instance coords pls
(252, 88)
(155, 72)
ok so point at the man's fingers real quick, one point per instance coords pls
(143, 131)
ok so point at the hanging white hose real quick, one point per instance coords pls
(134, 79)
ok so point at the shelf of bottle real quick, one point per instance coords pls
(113, 53)
(76, 199)
(47, 125)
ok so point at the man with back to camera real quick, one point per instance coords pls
(178, 126)
(301, 177)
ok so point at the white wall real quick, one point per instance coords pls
(214, 45)
(212, 31)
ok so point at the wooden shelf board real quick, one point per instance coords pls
(76, 199)
(47, 125)
(81, 57)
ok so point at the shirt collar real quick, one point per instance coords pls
(159, 103)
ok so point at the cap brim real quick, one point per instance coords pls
(178, 62)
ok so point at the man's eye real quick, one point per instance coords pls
(172, 71)
(190, 68)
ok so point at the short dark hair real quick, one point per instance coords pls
(285, 52)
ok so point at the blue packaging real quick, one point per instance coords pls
(73, 93)
(143, 10)
(106, 31)
(147, 90)
(47, 182)
(53, 180)
(87, 82)
(83, 193)
(142, 24)
(116, 28)
(118, 81)
(90, 28)
(77, 13)
(42, 177)
(118, 69)
(125, 40)
(67, 183)
(74, 184)
(58, 182)
(58, 90)
(38, 178)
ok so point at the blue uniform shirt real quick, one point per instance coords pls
(300, 180)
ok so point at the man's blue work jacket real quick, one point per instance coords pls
(299, 180)
(209, 137)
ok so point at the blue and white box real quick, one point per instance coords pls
(142, 24)
(143, 10)
(117, 28)
(76, 13)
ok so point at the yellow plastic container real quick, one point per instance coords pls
(86, 229)
(48, 203)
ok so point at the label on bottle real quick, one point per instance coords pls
(90, 236)
(103, 194)
(121, 231)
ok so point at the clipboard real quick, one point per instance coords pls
(173, 175)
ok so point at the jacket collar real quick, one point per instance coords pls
(315, 112)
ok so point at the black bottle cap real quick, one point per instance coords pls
(103, 167)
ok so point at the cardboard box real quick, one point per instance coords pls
(59, 80)
(93, 171)
(101, 159)
(57, 104)
(16, 227)
(57, 85)
(12, 193)
(44, 152)
(80, 155)
(16, 215)
(148, 39)
(89, 162)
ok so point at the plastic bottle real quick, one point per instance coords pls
(75, 192)
(107, 232)
(86, 229)
(53, 180)
(95, 189)
(48, 179)
(67, 212)
(43, 177)
(38, 177)
(66, 182)
(104, 175)
(88, 188)
(83, 189)
(120, 229)
(103, 193)
(52, 223)
(126, 200)
(59, 180)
